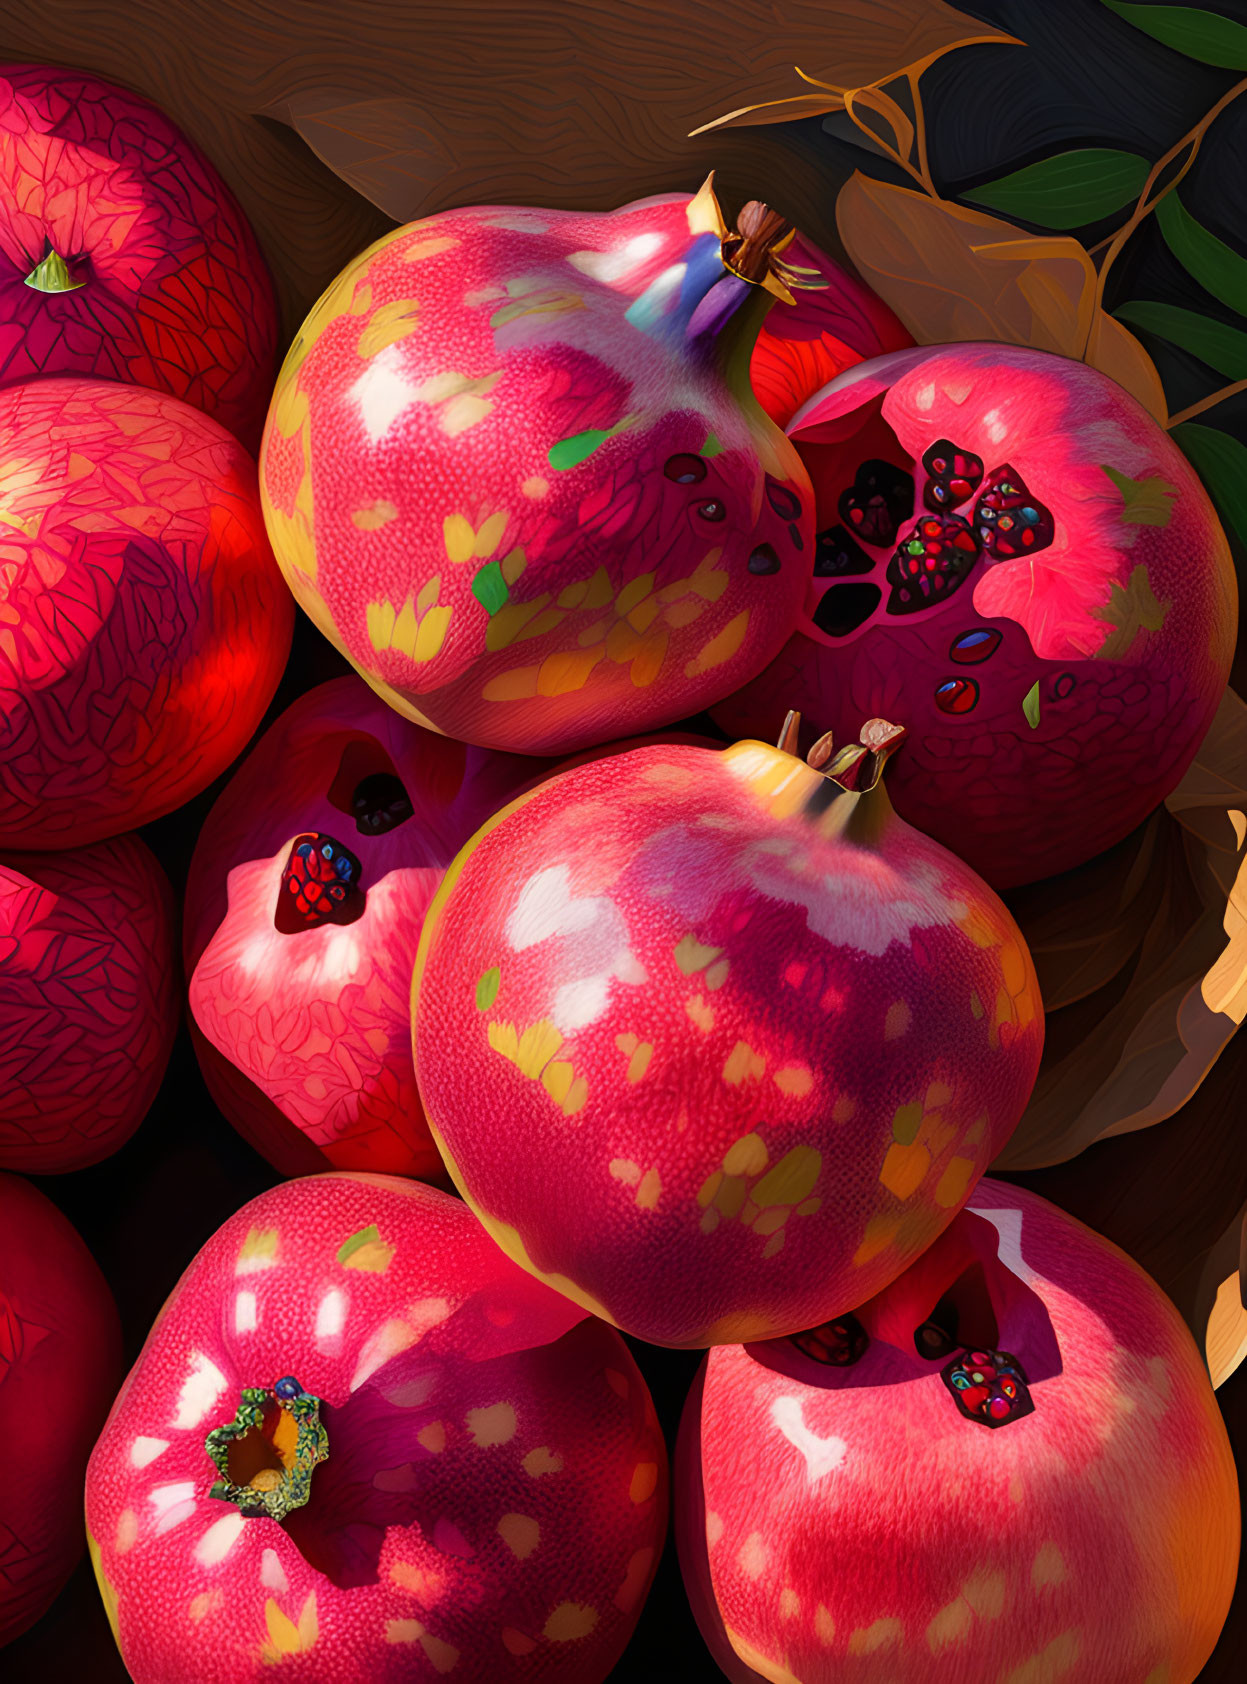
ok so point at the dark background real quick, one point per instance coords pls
(1087, 79)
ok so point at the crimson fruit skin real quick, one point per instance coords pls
(88, 1003)
(495, 1493)
(803, 347)
(60, 1358)
(171, 290)
(712, 1070)
(143, 623)
(851, 1522)
(1055, 679)
(515, 472)
(305, 1035)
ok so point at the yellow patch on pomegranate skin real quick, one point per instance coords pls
(775, 1672)
(569, 1622)
(883, 1634)
(644, 1482)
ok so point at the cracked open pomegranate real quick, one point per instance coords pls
(715, 1043)
(1018, 565)
(515, 470)
(1008, 1466)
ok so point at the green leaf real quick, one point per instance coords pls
(1221, 462)
(364, 1236)
(1217, 267)
(1145, 502)
(1069, 189)
(1221, 347)
(490, 588)
(1030, 705)
(487, 988)
(1206, 36)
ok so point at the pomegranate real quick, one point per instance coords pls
(713, 1042)
(1016, 563)
(360, 1444)
(143, 625)
(1009, 1465)
(515, 471)
(300, 978)
(60, 1358)
(122, 252)
(88, 1007)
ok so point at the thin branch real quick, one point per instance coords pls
(1208, 402)
(920, 130)
(1144, 206)
(892, 152)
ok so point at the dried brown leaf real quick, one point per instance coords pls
(1218, 1316)
(1083, 930)
(1112, 1071)
(951, 273)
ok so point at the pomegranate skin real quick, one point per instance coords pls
(315, 1022)
(172, 292)
(88, 1002)
(515, 472)
(143, 624)
(1052, 697)
(495, 1493)
(702, 1063)
(60, 1359)
(851, 1523)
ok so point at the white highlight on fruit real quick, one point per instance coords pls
(822, 1455)
(331, 1314)
(174, 1504)
(994, 426)
(546, 907)
(1008, 1224)
(144, 1450)
(201, 1389)
(245, 1313)
(613, 265)
(272, 1573)
(579, 1003)
(382, 393)
(595, 947)
(219, 1540)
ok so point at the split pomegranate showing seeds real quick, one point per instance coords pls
(360, 1444)
(60, 1358)
(143, 624)
(713, 1042)
(123, 254)
(1017, 564)
(1016, 1470)
(514, 468)
(307, 890)
(88, 1002)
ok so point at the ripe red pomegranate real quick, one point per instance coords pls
(122, 252)
(88, 1006)
(359, 1444)
(300, 978)
(1009, 1465)
(143, 625)
(515, 471)
(60, 1360)
(713, 1042)
(1016, 563)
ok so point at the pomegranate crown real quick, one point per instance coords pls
(752, 249)
(858, 767)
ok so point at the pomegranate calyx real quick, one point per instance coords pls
(752, 248)
(51, 274)
(267, 1454)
